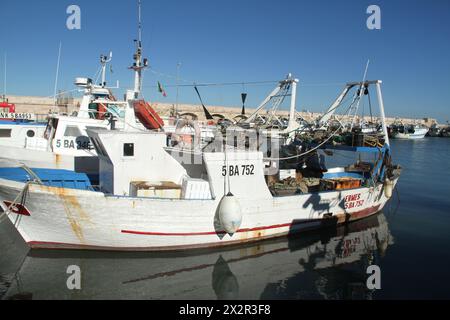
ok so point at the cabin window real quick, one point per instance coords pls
(5, 133)
(30, 133)
(128, 149)
(72, 131)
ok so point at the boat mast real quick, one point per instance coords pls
(57, 73)
(103, 61)
(138, 64)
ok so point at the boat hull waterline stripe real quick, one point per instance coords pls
(358, 214)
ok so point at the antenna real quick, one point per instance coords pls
(57, 72)
(178, 83)
(4, 80)
(103, 61)
(138, 64)
(140, 23)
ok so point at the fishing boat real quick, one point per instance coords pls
(445, 131)
(412, 131)
(435, 131)
(62, 142)
(152, 195)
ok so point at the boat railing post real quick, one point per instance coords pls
(383, 118)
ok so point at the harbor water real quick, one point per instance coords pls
(409, 241)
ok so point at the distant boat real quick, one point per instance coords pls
(434, 131)
(409, 132)
(445, 132)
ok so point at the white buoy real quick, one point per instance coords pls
(230, 214)
(388, 187)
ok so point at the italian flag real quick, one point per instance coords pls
(161, 89)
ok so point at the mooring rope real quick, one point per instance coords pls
(14, 202)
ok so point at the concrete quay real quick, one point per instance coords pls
(44, 105)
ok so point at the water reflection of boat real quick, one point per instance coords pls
(327, 264)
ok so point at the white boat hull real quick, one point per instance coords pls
(418, 134)
(78, 219)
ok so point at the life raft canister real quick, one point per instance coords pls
(147, 115)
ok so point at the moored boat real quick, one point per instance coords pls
(435, 131)
(409, 132)
(155, 196)
(445, 131)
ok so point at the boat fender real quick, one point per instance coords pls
(230, 214)
(388, 187)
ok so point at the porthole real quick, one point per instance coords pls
(30, 133)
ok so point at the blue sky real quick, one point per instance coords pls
(323, 43)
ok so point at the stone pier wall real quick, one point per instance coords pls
(44, 105)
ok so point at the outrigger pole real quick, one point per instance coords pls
(383, 119)
(282, 85)
(377, 83)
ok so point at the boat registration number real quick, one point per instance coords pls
(243, 170)
(71, 144)
(16, 116)
(353, 201)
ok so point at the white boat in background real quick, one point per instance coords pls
(16, 128)
(152, 196)
(15, 134)
(62, 143)
(409, 132)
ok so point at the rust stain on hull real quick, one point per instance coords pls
(74, 212)
(57, 160)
